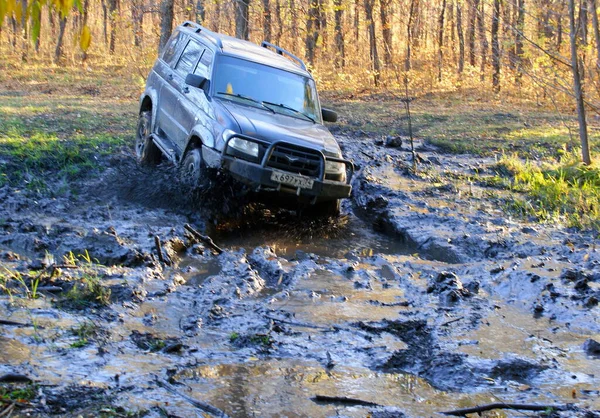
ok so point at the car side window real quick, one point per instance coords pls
(204, 64)
(189, 58)
(173, 47)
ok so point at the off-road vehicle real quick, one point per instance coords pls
(212, 100)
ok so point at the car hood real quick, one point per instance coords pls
(268, 126)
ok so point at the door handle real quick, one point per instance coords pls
(186, 90)
(170, 76)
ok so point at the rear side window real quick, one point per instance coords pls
(204, 64)
(173, 47)
(189, 58)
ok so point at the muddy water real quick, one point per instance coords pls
(422, 298)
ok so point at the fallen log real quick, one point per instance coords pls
(198, 404)
(159, 251)
(205, 239)
(492, 406)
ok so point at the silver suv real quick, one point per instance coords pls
(214, 101)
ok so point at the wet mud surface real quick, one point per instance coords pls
(423, 297)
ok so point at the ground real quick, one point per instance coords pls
(426, 295)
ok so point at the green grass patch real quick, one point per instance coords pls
(86, 292)
(17, 393)
(566, 191)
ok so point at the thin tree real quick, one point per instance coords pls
(583, 134)
(594, 12)
(440, 40)
(166, 22)
(519, 51)
(340, 57)
(461, 38)
(312, 30)
(414, 6)
(386, 29)
(267, 28)
(496, 47)
(241, 18)
(375, 65)
(482, 39)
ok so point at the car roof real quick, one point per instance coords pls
(228, 45)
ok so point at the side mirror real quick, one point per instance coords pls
(196, 81)
(328, 115)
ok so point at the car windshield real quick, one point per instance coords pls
(282, 91)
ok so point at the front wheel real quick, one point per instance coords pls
(326, 209)
(193, 169)
(146, 150)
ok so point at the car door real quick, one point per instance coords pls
(177, 108)
(165, 72)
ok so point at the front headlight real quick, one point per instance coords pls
(247, 147)
(334, 167)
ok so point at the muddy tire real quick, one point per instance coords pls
(327, 209)
(146, 150)
(193, 169)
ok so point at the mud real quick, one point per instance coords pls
(423, 297)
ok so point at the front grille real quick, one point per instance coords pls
(295, 160)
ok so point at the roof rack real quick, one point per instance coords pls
(282, 51)
(201, 29)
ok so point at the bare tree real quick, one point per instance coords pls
(267, 29)
(313, 24)
(340, 58)
(414, 6)
(482, 39)
(594, 12)
(113, 5)
(461, 38)
(386, 29)
(583, 134)
(441, 40)
(241, 18)
(519, 51)
(375, 65)
(166, 22)
(61, 34)
(473, 7)
(496, 47)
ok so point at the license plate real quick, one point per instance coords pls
(294, 180)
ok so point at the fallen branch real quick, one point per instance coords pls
(205, 239)
(445, 324)
(198, 404)
(515, 406)
(298, 324)
(159, 251)
(13, 323)
(342, 400)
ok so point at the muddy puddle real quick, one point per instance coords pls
(423, 297)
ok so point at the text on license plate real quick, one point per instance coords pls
(292, 179)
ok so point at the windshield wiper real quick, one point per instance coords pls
(250, 99)
(292, 109)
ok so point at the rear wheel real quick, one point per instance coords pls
(146, 150)
(193, 169)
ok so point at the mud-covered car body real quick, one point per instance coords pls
(248, 109)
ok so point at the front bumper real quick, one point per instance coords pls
(259, 174)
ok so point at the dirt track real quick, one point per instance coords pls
(424, 297)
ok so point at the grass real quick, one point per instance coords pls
(88, 291)
(565, 191)
(84, 332)
(8, 277)
(17, 393)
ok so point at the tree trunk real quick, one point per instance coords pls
(496, 47)
(312, 30)
(215, 26)
(294, 19)
(84, 22)
(583, 136)
(440, 40)
(137, 18)
(37, 11)
(473, 6)
(241, 18)
(414, 4)
(482, 39)
(520, 27)
(105, 22)
(375, 65)
(113, 6)
(24, 33)
(559, 27)
(166, 22)
(461, 38)
(583, 23)
(594, 12)
(279, 30)
(356, 21)
(340, 57)
(200, 12)
(267, 28)
(386, 28)
(59, 44)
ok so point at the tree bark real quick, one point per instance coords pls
(519, 52)
(112, 8)
(496, 47)
(279, 20)
(294, 19)
(267, 27)
(583, 135)
(24, 33)
(386, 28)
(200, 12)
(356, 21)
(594, 12)
(440, 40)
(414, 4)
(482, 39)
(59, 44)
(375, 65)
(166, 23)
(461, 38)
(340, 57)
(312, 30)
(473, 6)
(215, 26)
(241, 18)
(105, 22)
(84, 22)
(137, 17)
